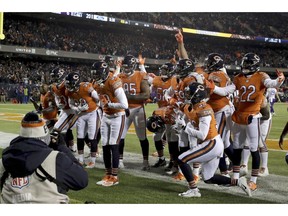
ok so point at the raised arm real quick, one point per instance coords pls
(182, 51)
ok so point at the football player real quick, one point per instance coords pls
(271, 95)
(221, 105)
(83, 99)
(202, 126)
(114, 103)
(265, 126)
(175, 97)
(251, 84)
(159, 85)
(67, 117)
(48, 106)
(136, 87)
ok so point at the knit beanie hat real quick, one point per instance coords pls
(32, 126)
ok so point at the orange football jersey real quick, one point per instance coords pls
(160, 86)
(83, 95)
(59, 92)
(50, 110)
(251, 90)
(132, 84)
(220, 79)
(200, 110)
(180, 85)
(106, 92)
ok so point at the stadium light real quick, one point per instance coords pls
(2, 36)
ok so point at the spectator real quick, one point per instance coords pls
(3, 95)
(29, 165)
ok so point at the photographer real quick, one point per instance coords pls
(33, 172)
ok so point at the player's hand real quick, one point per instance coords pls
(104, 101)
(210, 84)
(172, 101)
(83, 107)
(180, 124)
(280, 75)
(152, 75)
(141, 59)
(179, 37)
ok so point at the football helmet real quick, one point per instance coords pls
(250, 63)
(184, 67)
(57, 75)
(196, 93)
(111, 62)
(129, 64)
(155, 124)
(214, 62)
(100, 71)
(166, 71)
(72, 82)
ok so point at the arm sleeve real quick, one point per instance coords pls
(224, 91)
(269, 83)
(95, 96)
(120, 95)
(204, 126)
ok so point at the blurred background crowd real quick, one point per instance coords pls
(21, 74)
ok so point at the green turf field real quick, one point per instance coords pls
(140, 189)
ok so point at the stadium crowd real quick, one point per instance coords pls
(56, 35)
(235, 23)
(86, 38)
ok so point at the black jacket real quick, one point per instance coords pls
(24, 155)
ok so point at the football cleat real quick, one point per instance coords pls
(146, 165)
(112, 180)
(242, 183)
(263, 172)
(90, 165)
(252, 186)
(243, 170)
(104, 179)
(179, 176)
(160, 163)
(191, 193)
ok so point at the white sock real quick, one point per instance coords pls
(245, 156)
(81, 158)
(264, 159)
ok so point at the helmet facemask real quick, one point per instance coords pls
(100, 72)
(250, 64)
(184, 67)
(129, 64)
(72, 82)
(166, 71)
(214, 62)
